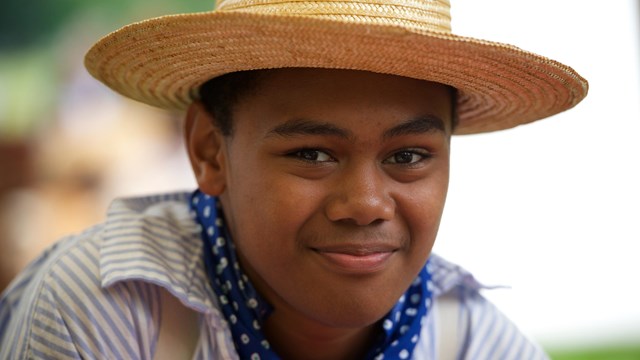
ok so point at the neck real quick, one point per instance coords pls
(295, 337)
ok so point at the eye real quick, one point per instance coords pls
(312, 155)
(408, 157)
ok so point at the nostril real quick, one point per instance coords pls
(353, 221)
(377, 222)
(360, 213)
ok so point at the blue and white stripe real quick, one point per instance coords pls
(97, 295)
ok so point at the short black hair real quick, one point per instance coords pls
(220, 94)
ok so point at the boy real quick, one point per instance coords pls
(319, 135)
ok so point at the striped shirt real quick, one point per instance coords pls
(97, 295)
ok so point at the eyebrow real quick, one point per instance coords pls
(420, 125)
(309, 127)
(416, 126)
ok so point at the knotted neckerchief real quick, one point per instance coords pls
(245, 310)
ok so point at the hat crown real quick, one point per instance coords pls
(425, 15)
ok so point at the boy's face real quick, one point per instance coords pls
(333, 185)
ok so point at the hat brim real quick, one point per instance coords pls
(163, 61)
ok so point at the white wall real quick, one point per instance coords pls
(552, 208)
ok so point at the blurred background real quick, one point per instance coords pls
(550, 209)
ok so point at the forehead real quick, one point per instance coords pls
(341, 96)
(325, 82)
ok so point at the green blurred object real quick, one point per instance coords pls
(35, 50)
(623, 352)
(26, 23)
(26, 92)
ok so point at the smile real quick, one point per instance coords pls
(356, 260)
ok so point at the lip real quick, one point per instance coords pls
(356, 260)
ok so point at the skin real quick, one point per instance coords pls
(322, 166)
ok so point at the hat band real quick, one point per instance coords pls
(425, 15)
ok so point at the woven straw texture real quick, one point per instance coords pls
(163, 61)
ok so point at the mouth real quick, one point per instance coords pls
(356, 260)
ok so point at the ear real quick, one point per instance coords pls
(206, 151)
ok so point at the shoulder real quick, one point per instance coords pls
(58, 308)
(465, 325)
(489, 333)
(60, 305)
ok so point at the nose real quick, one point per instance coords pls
(361, 196)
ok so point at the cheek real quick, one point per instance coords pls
(423, 209)
(269, 208)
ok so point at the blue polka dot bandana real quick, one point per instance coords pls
(245, 311)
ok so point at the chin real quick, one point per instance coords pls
(352, 313)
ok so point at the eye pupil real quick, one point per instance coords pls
(309, 155)
(403, 157)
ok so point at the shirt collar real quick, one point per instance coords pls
(155, 239)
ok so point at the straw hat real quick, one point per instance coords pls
(163, 61)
